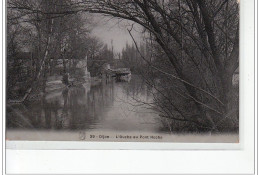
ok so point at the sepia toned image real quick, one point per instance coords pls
(122, 70)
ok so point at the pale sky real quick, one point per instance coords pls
(108, 29)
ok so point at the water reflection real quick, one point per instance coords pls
(100, 106)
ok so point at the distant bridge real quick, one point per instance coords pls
(118, 73)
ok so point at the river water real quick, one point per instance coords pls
(115, 106)
(99, 111)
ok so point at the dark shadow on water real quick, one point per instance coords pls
(73, 108)
(99, 106)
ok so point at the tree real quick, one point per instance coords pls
(98, 54)
(19, 15)
(132, 59)
(194, 46)
(198, 38)
(52, 35)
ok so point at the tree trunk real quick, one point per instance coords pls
(41, 69)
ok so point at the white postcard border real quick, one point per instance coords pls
(149, 161)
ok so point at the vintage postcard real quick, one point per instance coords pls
(122, 71)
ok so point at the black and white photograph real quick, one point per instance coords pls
(123, 70)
